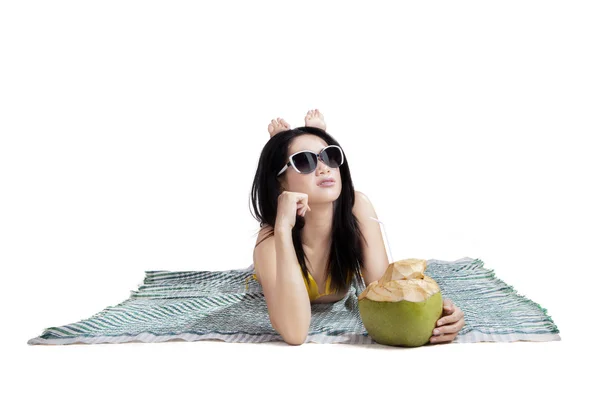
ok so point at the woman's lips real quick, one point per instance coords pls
(327, 183)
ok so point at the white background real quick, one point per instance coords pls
(130, 135)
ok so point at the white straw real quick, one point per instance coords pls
(386, 239)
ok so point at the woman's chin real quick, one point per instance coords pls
(322, 195)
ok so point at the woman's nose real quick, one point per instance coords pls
(323, 162)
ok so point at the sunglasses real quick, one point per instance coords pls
(305, 161)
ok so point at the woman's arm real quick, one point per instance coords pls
(280, 276)
(375, 257)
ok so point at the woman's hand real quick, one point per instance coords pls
(290, 205)
(451, 322)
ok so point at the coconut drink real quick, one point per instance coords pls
(401, 308)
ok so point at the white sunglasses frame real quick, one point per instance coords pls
(290, 162)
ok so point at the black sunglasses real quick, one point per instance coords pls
(305, 161)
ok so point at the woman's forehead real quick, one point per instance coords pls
(307, 142)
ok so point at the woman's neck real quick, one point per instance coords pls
(317, 227)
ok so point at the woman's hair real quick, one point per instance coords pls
(346, 255)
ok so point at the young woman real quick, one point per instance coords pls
(316, 232)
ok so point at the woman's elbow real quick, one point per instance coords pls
(295, 339)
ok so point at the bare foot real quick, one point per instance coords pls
(277, 126)
(315, 118)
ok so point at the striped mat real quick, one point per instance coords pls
(228, 306)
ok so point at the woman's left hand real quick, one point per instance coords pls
(449, 324)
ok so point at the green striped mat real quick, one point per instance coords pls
(200, 305)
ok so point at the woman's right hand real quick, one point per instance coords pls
(290, 204)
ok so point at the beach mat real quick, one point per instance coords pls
(229, 306)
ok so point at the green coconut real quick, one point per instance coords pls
(401, 308)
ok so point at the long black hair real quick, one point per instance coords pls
(346, 255)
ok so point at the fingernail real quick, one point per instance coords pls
(439, 322)
(436, 332)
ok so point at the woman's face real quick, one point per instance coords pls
(293, 181)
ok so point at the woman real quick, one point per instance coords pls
(314, 235)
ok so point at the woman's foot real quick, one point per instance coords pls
(277, 126)
(315, 118)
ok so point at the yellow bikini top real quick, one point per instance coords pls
(312, 289)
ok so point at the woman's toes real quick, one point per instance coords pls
(315, 118)
(277, 125)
